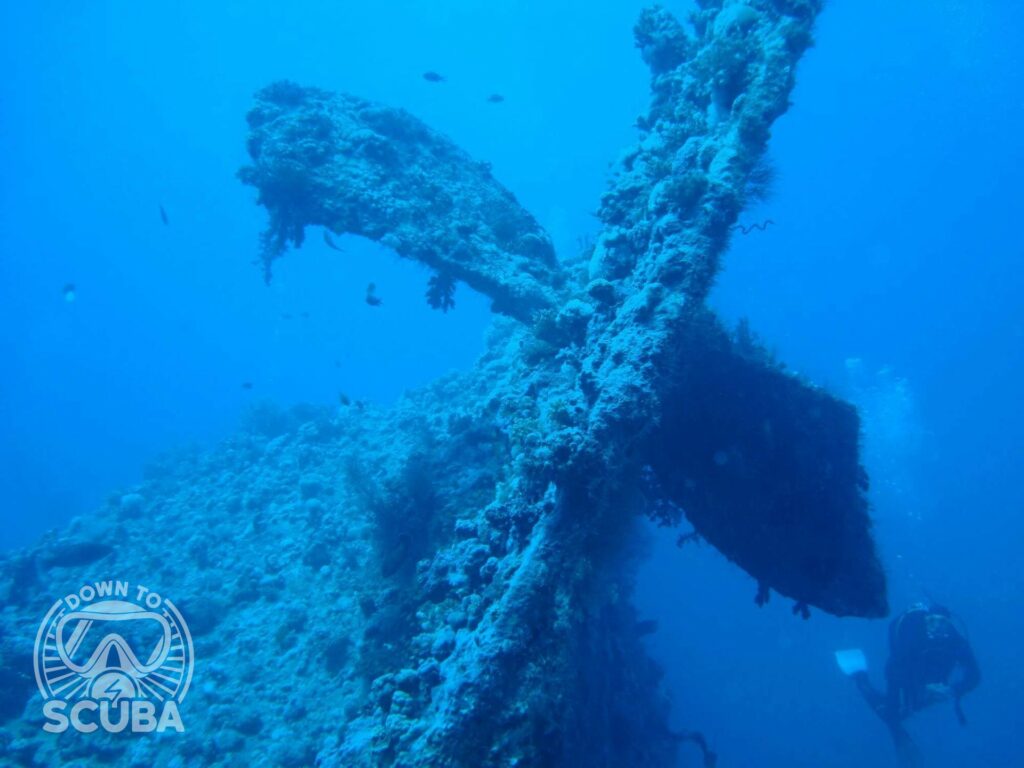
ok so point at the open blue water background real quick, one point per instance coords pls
(893, 275)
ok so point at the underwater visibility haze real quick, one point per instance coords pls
(511, 384)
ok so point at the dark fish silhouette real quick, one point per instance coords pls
(69, 292)
(433, 77)
(163, 216)
(495, 98)
(371, 296)
(246, 385)
(331, 244)
(286, 315)
(343, 399)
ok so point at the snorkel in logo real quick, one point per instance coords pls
(115, 657)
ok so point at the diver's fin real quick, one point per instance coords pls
(906, 750)
(852, 661)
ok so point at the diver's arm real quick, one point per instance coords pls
(971, 674)
(893, 701)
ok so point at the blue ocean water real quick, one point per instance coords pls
(891, 275)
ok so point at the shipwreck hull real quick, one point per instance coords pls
(446, 583)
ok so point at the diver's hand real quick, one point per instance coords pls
(937, 692)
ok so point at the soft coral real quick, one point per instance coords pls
(441, 291)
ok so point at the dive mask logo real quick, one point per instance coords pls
(115, 657)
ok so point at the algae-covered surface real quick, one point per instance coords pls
(448, 582)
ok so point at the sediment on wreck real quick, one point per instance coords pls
(447, 583)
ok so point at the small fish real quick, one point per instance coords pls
(433, 77)
(371, 296)
(331, 244)
(343, 399)
(495, 98)
(246, 385)
(304, 315)
(286, 316)
(163, 216)
(646, 627)
(69, 292)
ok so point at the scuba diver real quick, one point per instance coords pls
(926, 648)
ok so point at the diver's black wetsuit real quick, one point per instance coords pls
(925, 649)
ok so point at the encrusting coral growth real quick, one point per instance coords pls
(354, 166)
(447, 583)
